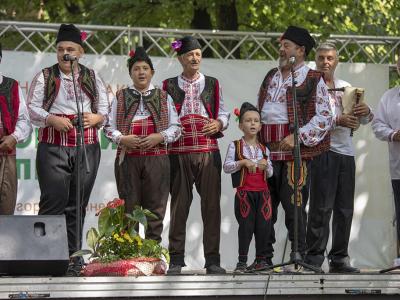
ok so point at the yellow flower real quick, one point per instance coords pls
(128, 237)
(118, 238)
(138, 239)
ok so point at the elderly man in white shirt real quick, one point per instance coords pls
(15, 127)
(386, 126)
(53, 108)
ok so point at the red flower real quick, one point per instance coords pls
(236, 112)
(115, 203)
(131, 53)
(84, 36)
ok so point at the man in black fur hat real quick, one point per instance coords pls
(15, 127)
(53, 108)
(315, 120)
(195, 157)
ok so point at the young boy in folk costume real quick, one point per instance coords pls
(142, 121)
(15, 127)
(247, 160)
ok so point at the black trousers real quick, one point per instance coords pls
(57, 181)
(331, 190)
(253, 213)
(281, 189)
(396, 193)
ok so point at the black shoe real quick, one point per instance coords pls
(215, 269)
(240, 267)
(75, 267)
(174, 269)
(259, 265)
(335, 267)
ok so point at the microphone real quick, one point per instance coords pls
(292, 60)
(68, 57)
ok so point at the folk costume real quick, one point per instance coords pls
(52, 93)
(15, 122)
(277, 118)
(195, 159)
(253, 210)
(143, 176)
(385, 125)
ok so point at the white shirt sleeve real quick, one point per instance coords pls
(35, 101)
(269, 169)
(230, 165)
(23, 128)
(174, 130)
(110, 128)
(223, 115)
(380, 124)
(104, 103)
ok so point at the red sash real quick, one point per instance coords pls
(143, 128)
(50, 135)
(192, 140)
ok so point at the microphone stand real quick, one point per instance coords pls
(295, 256)
(79, 146)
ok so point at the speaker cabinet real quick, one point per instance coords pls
(33, 245)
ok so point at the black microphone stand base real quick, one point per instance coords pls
(389, 269)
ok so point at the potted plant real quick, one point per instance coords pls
(117, 249)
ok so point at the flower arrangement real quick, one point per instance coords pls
(117, 240)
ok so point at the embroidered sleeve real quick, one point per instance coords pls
(110, 128)
(380, 124)
(270, 169)
(35, 99)
(104, 102)
(230, 165)
(173, 132)
(314, 131)
(223, 115)
(23, 128)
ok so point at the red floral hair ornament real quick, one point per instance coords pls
(236, 112)
(131, 53)
(84, 36)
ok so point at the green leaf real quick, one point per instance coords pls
(92, 237)
(165, 253)
(148, 213)
(82, 252)
(104, 222)
(139, 216)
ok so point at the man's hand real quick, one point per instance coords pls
(287, 143)
(130, 141)
(61, 124)
(8, 143)
(361, 110)
(396, 136)
(348, 121)
(92, 120)
(151, 141)
(212, 128)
